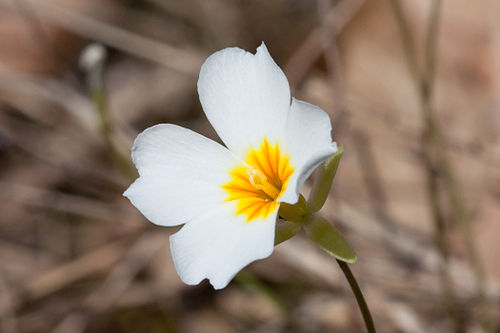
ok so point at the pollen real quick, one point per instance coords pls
(257, 186)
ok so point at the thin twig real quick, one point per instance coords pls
(407, 40)
(432, 188)
(444, 165)
(450, 298)
(312, 48)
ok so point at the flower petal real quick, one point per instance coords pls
(309, 143)
(246, 97)
(181, 173)
(219, 244)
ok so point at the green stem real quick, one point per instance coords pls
(363, 307)
(99, 98)
(248, 280)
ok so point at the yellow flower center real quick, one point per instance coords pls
(258, 185)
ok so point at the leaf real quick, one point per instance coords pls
(284, 231)
(330, 240)
(324, 180)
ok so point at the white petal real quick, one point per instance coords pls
(219, 244)
(309, 143)
(246, 97)
(181, 173)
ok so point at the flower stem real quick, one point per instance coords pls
(363, 307)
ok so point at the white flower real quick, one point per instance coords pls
(228, 198)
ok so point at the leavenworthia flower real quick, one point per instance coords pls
(228, 197)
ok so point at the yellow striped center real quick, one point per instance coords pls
(258, 185)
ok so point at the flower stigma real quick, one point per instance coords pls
(257, 186)
(259, 181)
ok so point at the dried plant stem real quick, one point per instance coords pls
(407, 39)
(445, 168)
(450, 299)
(363, 307)
(432, 188)
(438, 164)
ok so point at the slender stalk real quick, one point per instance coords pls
(406, 39)
(449, 179)
(99, 98)
(92, 62)
(451, 303)
(432, 188)
(424, 90)
(437, 160)
(431, 46)
(363, 307)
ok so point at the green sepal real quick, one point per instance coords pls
(323, 182)
(297, 212)
(330, 240)
(284, 231)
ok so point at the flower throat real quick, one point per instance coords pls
(257, 186)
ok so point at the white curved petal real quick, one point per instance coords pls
(309, 143)
(246, 97)
(219, 244)
(180, 174)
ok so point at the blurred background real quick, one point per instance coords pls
(413, 90)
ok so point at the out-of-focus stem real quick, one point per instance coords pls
(248, 280)
(450, 299)
(431, 49)
(92, 61)
(407, 40)
(437, 161)
(449, 180)
(99, 99)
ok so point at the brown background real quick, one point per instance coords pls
(78, 257)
